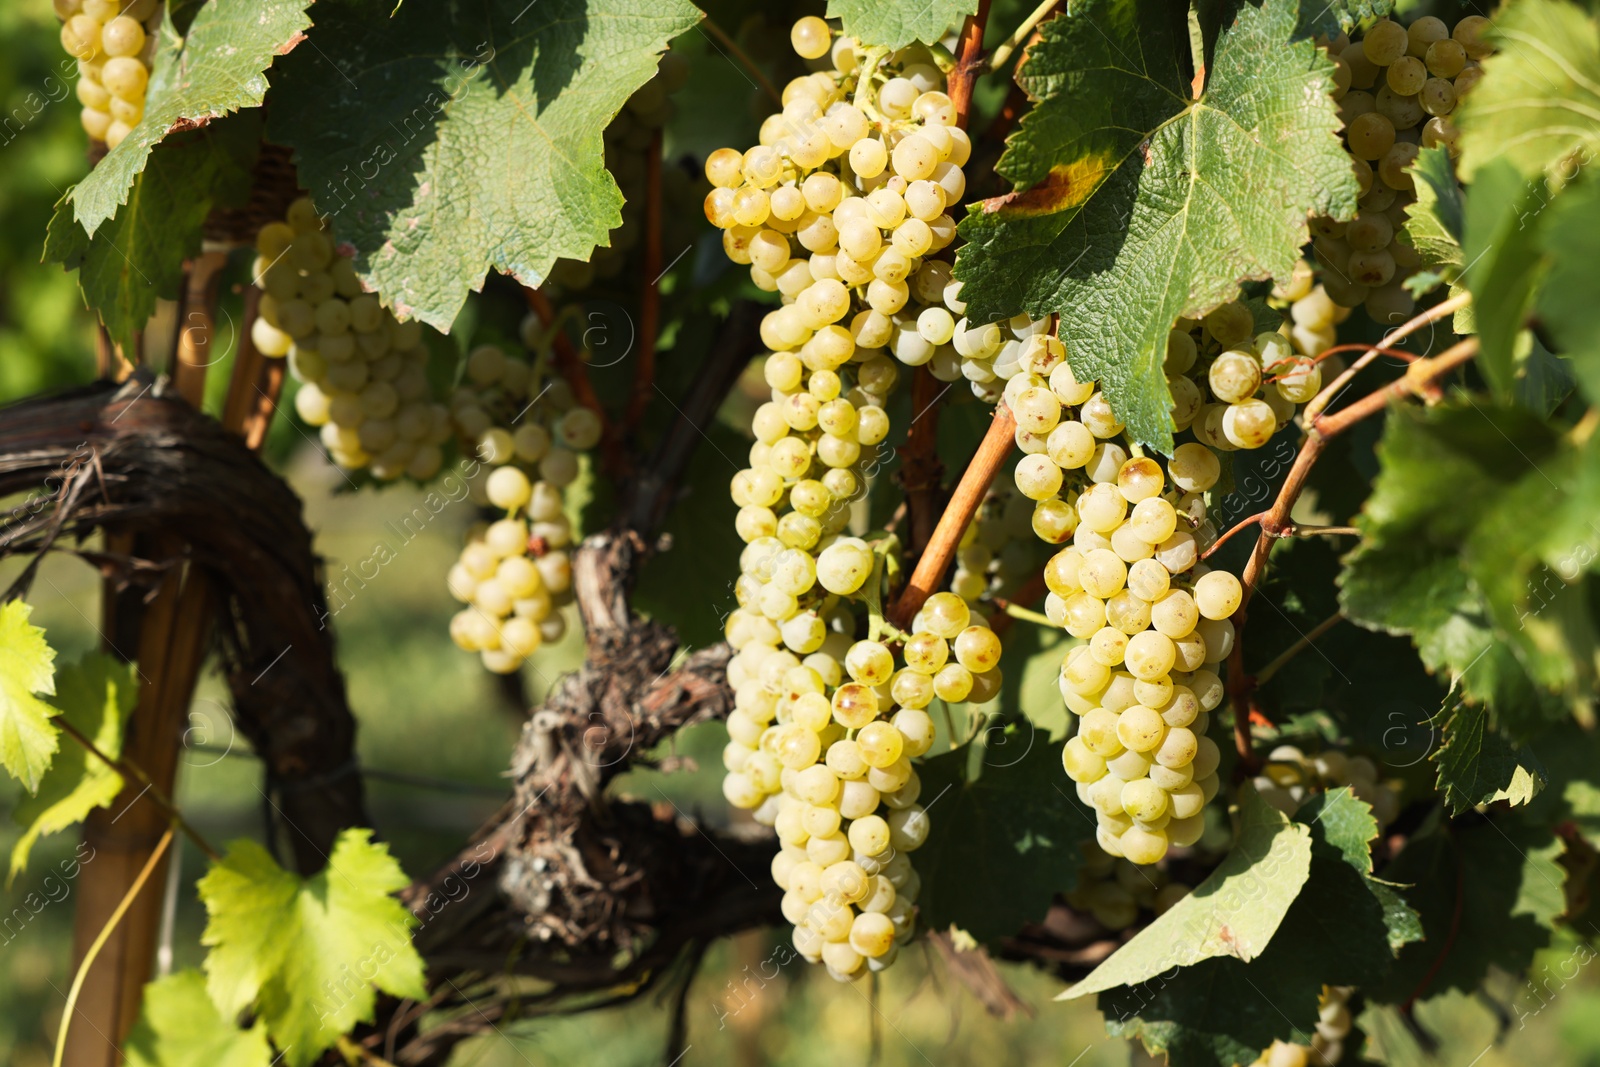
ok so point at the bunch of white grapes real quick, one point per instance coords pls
(1233, 387)
(1290, 776)
(1115, 892)
(364, 374)
(512, 595)
(627, 140)
(516, 573)
(1130, 585)
(820, 747)
(843, 203)
(1396, 88)
(113, 42)
(1327, 1044)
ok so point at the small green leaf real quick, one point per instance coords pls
(1435, 222)
(219, 67)
(178, 1026)
(1234, 912)
(1137, 203)
(1001, 845)
(893, 24)
(96, 695)
(308, 953)
(455, 137)
(1539, 101)
(1341, 823)
(1479, 766)
(28, 739)
(139, 256)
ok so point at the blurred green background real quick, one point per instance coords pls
(427, 710)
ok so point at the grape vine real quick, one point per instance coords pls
(1123, 479)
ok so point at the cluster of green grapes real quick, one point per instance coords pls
(1235, 388)
(513, 594)
(1396, 88)
(515, 574)
(820, 748)
(840, 206)
(1290, 776)
(364, 373)
(113, 42)
(1153, 619)
(1116, 893)
(1327, 1044)
(627, 140)
(825, 725)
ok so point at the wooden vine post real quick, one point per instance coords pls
(169, 636)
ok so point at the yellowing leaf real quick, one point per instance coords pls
(179, 1027)
(309, 954)
(28, 740)
(96, 695)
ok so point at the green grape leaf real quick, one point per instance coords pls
(1344, 824)
(139, 256)
(28, 738)
(1504, 217)
(1234, 912)
(308, 952)
(1338, 931)
(1566, 301)
(1136, 203)
(894, 24)
(1435, 222)
(1477, 765)
(178, 1026)
(1488, 895)
(96, 695)
(1001, 844)
(1448, 555)
(1539, 101)
(449, 139)
(217, 68)
(1340, 16)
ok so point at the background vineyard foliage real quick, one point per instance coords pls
(403, 677)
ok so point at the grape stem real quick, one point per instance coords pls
(1003, 50)
(130, 770)
(968, 494)
(1291, 530)
(1250, 520)
(969, 63)
(1305, 642)
(743, 59)
(1320, 428)
(644, 371)
(1314, 409)
(1016, 611)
